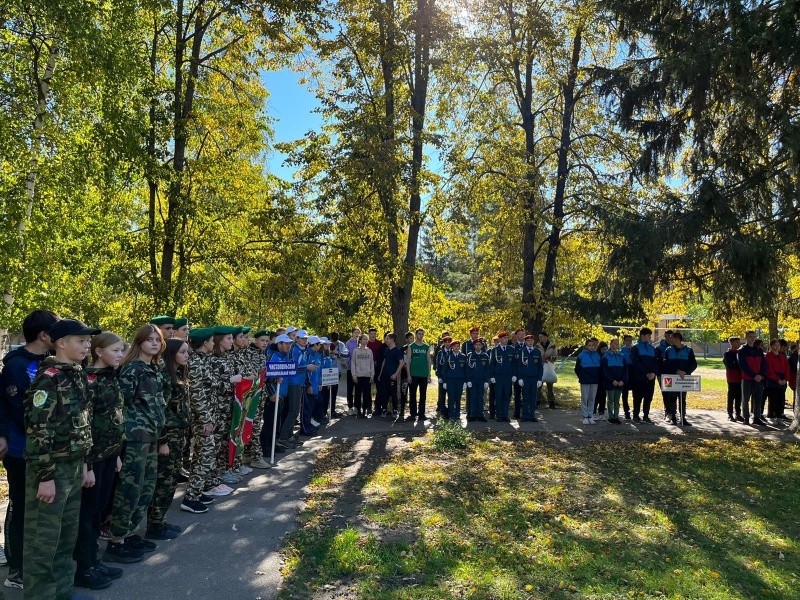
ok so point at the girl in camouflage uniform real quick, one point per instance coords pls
(142, 387)
(170, 442)
(226, 376)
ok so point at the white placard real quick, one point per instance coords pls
(674, 383)
(330, 376)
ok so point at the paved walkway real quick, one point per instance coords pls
(230, 553)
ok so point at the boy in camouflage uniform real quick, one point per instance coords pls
(258, 359)
(226, 374)
(57, 417)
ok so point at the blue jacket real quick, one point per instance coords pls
(479, 367)
(587, 367)
(615, 368)
(19, 370)
(300, 358)
(455, 368)
(502, 361)
(529, 365)
(280, 357)
(315, 377)
(643, 360)
(626, 352)
(679, 360)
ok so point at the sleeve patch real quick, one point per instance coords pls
(52, 371)
(39, 398)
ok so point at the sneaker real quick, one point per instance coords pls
(283, 444)
(137, 543)
(206, 499)
(162, 533)
(260, 463)
(646, 419)
(360, 416)
(637, 419)
(627, 416)
(91, 579)
(585, 420)
(14, 580)
(685, 423)
(394, 414)
(673, 419)
(230, 478)
(175, 528)
(759, 422)
(245, 470)
(3, 559)
(296, 440)
(592, 421)
(337, 415)
(219, 490)
(739, 419)
(351, 412)
(110, 572)
(315, 423)
(122, 553)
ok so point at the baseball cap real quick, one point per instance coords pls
(65, 327)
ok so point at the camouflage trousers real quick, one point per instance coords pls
(135, 487)
(166, 480)
(252, 450)
(186, 453)
(50, 534)
(222, 433)
(202, 473)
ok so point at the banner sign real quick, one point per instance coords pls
(276, 370)
(330, 376)
(674, 383)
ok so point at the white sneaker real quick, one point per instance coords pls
(220, 490)
(245, 470)
(592, 421)
(260, 463)
(315, 423)
(585, 420)
(351, 412)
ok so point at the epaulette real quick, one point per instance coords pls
(51, 372)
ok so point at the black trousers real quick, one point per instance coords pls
(517, 400)
(270, 408)
(776, 397)
(363, 395)
(643, 395)
(333, 392)
(734, 398)
(625, 405)
(421, 383)
(93, 501)
(492, 406)
(15, 515)
(387, 390)
(351, 390)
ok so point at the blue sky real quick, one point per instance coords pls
(291, 106)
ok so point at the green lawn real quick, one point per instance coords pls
(520, 518)
(713, 396)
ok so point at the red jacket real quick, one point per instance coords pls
(777, 368)
(751, 362)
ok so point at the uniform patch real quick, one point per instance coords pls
(39, 398)
(92, 378)
(52, 371)
(11, 390)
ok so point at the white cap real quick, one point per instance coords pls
(313, 340)
(283, 338)
(324, 340)
(301, 333)
(291, 330)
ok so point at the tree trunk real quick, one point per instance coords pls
(772, 321)
(151, 173)
(554, 238)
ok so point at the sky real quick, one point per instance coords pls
(291, 106)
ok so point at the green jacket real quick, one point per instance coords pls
(202, 399)
(57, 417)
(176, 414)
(224, 367)
(143, 389)
(108, 418)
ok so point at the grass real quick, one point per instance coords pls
(522, 519)
(712, 397)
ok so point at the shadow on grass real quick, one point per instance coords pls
(522, 519)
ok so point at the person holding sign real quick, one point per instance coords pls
(678, 359)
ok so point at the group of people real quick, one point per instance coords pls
(95, 433)
(608, 373)
(514, 365)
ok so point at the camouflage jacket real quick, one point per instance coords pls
(202, 397)
(57, 417)
(176, 412)
(258, 358)
(224, 367)
(143, 388)
(244, 362)
(108, 419)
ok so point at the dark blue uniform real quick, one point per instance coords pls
(479, 370)
(502, 372)
(529, 374)
(674, 360)
(643, 361)
(455, 378)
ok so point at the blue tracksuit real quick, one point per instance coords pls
(502, 371)
(675, 360)
(479, 368)
(587, 367)
(530, 368)
(615, 368)
(313, 381)
(455, 376)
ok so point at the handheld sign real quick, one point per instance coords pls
(330, 376)
(674, 383)
(276, 370)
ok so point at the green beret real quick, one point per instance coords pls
(182, 322)
(163, 320)
(261, 333)
(237, 331)
(246, 329)
(224, 330)
(201, 334)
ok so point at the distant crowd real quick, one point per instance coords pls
(96, 432)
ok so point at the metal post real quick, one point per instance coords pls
(275, 422)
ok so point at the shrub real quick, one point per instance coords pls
(450, 436)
